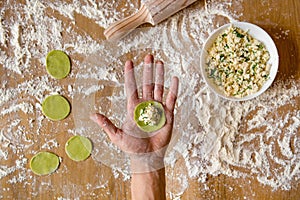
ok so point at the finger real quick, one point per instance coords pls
(148, 85)
(159, 81)
(130, 83)
(172, 95)
(110, 129)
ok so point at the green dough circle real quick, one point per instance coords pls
(44, 163)
(56, 107)
(78, 148)
(149, 128)
(58, 64)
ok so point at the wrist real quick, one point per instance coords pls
(148, 185)
(147, 162)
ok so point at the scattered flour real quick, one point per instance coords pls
(50, 144)
(212, 135)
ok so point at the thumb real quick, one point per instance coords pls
(111, 130)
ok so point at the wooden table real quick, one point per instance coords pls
(93, 180)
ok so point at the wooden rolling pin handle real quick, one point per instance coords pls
(121, 28)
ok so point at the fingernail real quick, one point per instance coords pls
(159, 62)
(94, 117)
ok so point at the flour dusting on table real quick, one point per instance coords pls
(256, 139)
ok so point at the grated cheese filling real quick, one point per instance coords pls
(150, 115)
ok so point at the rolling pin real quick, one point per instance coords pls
(151, 11)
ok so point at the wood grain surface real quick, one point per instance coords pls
(80, 178)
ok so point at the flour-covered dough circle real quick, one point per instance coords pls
(56, 107)
(78, 148)
(44, 163)
(58, 64)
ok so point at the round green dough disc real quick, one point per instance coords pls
(44, 163)
(78, 148)
(56, 107)
(58, 64)
(148, 128)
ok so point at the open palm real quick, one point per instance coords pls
(130, 138)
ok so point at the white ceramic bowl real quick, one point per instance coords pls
(259, 34)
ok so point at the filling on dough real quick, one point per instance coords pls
(149, 116)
